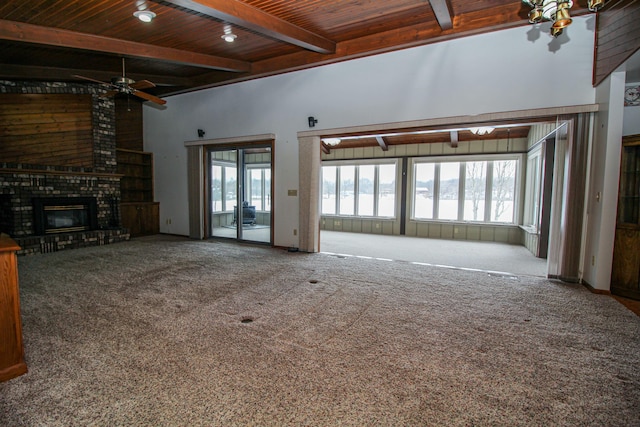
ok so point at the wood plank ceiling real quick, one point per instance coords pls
(182, 50)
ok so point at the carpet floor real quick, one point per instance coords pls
(165, 331)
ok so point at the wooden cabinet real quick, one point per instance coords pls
(142, 219)
(12, 362)
(625, 273)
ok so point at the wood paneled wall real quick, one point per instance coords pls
(617, 38)
(51, 129)
(129, 124)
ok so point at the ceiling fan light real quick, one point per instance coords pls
(144, 15)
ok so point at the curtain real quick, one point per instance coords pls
(195, 181)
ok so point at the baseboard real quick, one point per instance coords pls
(594, 290)
(564, 278)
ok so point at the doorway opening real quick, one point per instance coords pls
(240, 193)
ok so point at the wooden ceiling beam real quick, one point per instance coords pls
(442, 11)
(243, 15)
(12, 71)
(454, 138)
(382, 143)
(28, 33)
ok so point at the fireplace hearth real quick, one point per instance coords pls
(54, 215)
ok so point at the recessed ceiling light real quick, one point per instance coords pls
(229, 38)
(144, 15)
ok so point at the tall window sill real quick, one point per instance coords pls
(530, 229)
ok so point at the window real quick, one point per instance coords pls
(532, 189)
(386, 194)
(366, 186)
(475, 184)
(223, 186)
(359, 189)
(347, 179)
(259, 187)
(482, 190)
(423, 195)
(504, 189)
(329, 200)
(448, 190)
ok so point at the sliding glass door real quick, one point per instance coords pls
(240, 193)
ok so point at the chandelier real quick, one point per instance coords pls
(556, 11)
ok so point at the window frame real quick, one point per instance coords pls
(224, 165)
(463, 160)
(262, 167)
(376, 190)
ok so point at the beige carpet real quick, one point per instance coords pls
(170, 332)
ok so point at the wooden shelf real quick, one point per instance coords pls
(136, 167)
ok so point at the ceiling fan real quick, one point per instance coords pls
(123, 84)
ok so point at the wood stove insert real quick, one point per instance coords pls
(64, 214)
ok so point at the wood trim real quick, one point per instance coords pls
(630, 140)
(8, 244)
(231, 140)
(594, 290)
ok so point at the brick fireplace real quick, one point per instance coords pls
(26, 188)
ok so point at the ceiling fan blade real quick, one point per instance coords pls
(91, 80)
(142, 84)
(110, 94)
(149, 97)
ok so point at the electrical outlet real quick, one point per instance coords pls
(295, 232)
(593, 260)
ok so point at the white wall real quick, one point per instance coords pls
(631, 120)
(500, 71)
(602, 198)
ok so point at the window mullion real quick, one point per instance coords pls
(436, 190)
(223, 184)
(338, 190)
(461, 182)
(356, 190)
(376, 189)
(488, 193)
